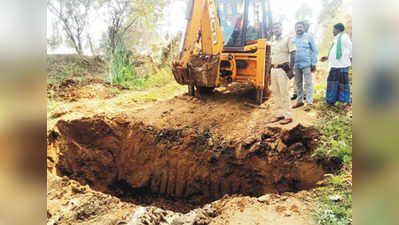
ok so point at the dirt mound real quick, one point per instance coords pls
(70, 90)
(183, 163)
(68, 202)
(74, 65)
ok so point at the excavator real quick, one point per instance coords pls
(225, 41)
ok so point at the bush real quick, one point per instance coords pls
(121, 69)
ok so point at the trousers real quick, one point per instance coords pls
(300, 75)
(281, 98)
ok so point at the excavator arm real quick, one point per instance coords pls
(199, 57)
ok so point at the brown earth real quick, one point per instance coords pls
(184, 163)
(71, 90)
(69, 202)
(179, 154)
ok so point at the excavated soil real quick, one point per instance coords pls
(121, 157)
(204, 160)
(70, 90)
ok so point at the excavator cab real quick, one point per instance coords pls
(243, 21)
(225, 41)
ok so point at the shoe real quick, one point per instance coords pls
(293, 97)
(286, 121)
(299, 104)
(308, 108)
(276, 119)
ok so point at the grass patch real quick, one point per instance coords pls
(153, 95)
(159, 79)
(335, 197)
(335, 126)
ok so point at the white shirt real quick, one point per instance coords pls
(281, 49)
(346, 45)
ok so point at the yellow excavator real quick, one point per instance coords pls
(225, 41)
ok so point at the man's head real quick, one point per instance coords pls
(300, 28)
(338, 28)
(277, 29)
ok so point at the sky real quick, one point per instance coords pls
(176, 22)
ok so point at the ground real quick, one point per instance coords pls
(120, 156)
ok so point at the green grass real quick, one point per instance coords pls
(163, 92)
(159, 79)
(335, 197)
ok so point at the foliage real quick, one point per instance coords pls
(121, 70)
(335, 200)
(159, 79)
(60, 67)
(304, 12)
(327, 30)
(335, 126)
(329, 10)
(335, 196)
(73, 16)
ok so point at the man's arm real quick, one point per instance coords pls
(348, 44)
(292, 64)
(292, 60)
(315, 52)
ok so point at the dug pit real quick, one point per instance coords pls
(120, 156)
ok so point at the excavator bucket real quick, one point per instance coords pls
(202, 71)
(180, 74)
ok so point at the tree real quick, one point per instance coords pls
(329, 10)
(73, 15)
(304, 12)
(118, 22)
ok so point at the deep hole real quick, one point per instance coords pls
(177, 169)
(144, 197)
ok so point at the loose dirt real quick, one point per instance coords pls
(177, 157)
(71, 90)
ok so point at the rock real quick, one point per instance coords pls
(281, 146)
(287, 213)
(209, 211)
(265, 199)
(283, 198)
(335, 198)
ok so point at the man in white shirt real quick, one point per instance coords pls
(283, 60)
(340, 59)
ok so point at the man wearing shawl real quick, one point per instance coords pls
(340, 59)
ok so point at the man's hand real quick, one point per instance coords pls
(324, 58)
(313, 68)
(290, 74)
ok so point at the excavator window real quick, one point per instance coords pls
(254, 25)
(243, 21)
(231, 16)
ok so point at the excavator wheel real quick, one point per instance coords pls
(191, 90)
(205, 90)
(259, 96)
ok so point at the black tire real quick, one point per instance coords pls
(205, 90)
(259, 96)
(191, 90)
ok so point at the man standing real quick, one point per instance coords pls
(340, 59)
(283, 59)
(294, 95)
(305, 64)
